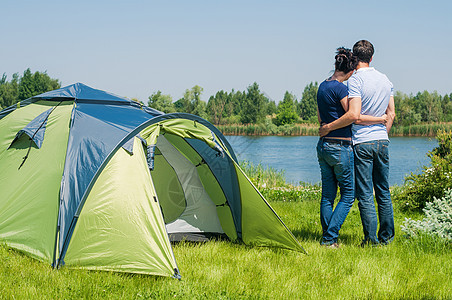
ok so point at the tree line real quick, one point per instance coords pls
(423, 107)
(24, 86)
(250, 106)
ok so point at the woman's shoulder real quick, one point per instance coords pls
(336, 85)
(328, 82)
(333, 85)
(333, 90)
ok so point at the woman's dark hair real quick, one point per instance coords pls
(345, 61)
(363, 50)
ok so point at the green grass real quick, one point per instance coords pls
(405, 269)
(273, 186)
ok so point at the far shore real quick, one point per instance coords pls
(418, 130)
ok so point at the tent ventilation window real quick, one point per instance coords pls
(35, 131)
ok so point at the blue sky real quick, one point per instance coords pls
(134, 48)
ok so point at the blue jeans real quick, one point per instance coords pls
(372, 173)
(336, 166)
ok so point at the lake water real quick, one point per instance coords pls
(297, 155)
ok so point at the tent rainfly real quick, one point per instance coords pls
(96, 181)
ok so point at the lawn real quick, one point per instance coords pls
(405, 269)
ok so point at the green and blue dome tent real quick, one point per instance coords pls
(92, 180)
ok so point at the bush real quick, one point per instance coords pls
(437, 221)
(234, 119)
(269, 128)
(433, 181)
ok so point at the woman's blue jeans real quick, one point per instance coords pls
(372, 173)
(337, 168)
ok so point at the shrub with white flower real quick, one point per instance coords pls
(437, 220)
(432, 181)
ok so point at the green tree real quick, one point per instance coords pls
(9, 91)
(217, 107)
(163, 103)
(286, 110)
(200, 109)
(429, 106)
(179, 105)
(307, 108)
(406, 113)
(235, 106)
(446, 105)
(254, 108)
(191, 102)
(272, 108)
(32, 84)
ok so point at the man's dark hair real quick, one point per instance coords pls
(363, 50)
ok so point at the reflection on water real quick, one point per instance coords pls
(298, 158)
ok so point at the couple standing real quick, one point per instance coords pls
(353, 146)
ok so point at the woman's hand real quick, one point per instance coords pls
(324, 129)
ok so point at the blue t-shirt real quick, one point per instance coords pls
(329, 98)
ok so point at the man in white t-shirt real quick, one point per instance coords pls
(371, 143)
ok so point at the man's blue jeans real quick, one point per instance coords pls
(336, 166)
(372, 173)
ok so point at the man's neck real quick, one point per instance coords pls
(362, 65)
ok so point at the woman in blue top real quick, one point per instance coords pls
(334, 149)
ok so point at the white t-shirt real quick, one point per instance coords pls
(374, 89)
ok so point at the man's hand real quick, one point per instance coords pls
(324, 129)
